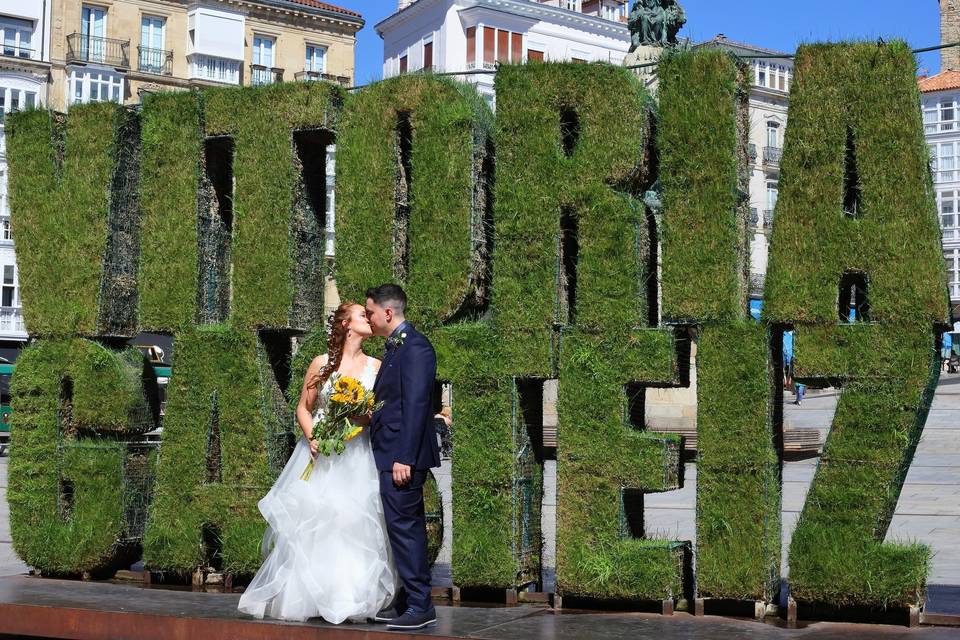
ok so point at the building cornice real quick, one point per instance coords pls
(289, 7)
(521, 8)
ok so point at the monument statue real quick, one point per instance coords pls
(655, 23)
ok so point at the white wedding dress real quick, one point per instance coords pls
(327, 546)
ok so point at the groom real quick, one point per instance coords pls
(405, 448)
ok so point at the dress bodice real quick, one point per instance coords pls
(366, 378)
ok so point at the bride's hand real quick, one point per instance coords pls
(363, 420)
(313, 447)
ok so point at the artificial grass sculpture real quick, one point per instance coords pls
(62, 168)
(886, 367)
(77, 404)
(572, 252)
(412, 195)
(214, 464)
(701, 138)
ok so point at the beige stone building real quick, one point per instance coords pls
(118, 50)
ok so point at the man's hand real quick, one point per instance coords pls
(363, 420)
(401, 474)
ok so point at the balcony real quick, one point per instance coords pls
(771, 155)
(260, 74)
(754, 216)
(310, 76)
(752, 152)
(11, 320)
(156, 61)
(106, 51)
(768, 218)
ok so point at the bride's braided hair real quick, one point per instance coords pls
(337, 336)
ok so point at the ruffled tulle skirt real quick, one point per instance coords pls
(327, 549)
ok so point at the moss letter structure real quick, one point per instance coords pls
(857, 223)
(72, 500)
(62, 170)
(411, 194)
(701, 138)
(214, 464)
(572, 252)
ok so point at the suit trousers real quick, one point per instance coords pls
(407, 528)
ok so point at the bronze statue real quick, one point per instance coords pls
(655, 22)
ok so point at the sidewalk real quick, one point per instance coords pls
(10, 564)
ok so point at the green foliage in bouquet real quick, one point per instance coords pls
(701, 137)
(220, 417)
(71, 497)
(857, 213)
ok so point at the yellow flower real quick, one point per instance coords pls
(340, 398)
(353, 434)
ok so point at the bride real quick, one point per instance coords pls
(328, 550)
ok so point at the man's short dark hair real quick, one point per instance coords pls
(389, 295)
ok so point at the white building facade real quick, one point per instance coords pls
(770, 79)
(24, 76)
(465, 35)
(940, 101)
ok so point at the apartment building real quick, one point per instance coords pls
(117, 50)
(465, 35)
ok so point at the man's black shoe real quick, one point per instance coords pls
(413, 620)
(387, 614)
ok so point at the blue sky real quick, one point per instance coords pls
(775, 25)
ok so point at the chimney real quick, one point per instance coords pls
(403, 4)
(950, 33)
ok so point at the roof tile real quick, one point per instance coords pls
(949, 79)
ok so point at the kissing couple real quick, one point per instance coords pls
(350, 541)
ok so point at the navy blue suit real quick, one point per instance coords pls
(402, 431)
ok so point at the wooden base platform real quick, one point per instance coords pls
(72, 610)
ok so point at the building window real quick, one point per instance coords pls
(947, 204)
(93, 31)
(503, 46)
(940, 115)
(516, 47)
(427, 56)
(952, 257)
(533, 54)
(489, 46)
(403, 64)
(6, 232)
(152, 56)
(262, 73)
(316, 59)
(761, 74)
(95, 86)
(15, 100)
(773, 134)
(772, 194)
(9, 286)
(945, 162)
(571, 5)
(15, 35)
(215, 69)
(614, 11)
(782, 79)
(471, 47)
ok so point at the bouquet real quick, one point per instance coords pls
(348, 399)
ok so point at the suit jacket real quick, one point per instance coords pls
(402, 430)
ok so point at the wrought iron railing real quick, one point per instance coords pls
(317, 75)
(771, 155)
(13, 51)
(260, 74)
(752, 152)
(158, 61)
(754, 216)
(768, 218)
(112, 52)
